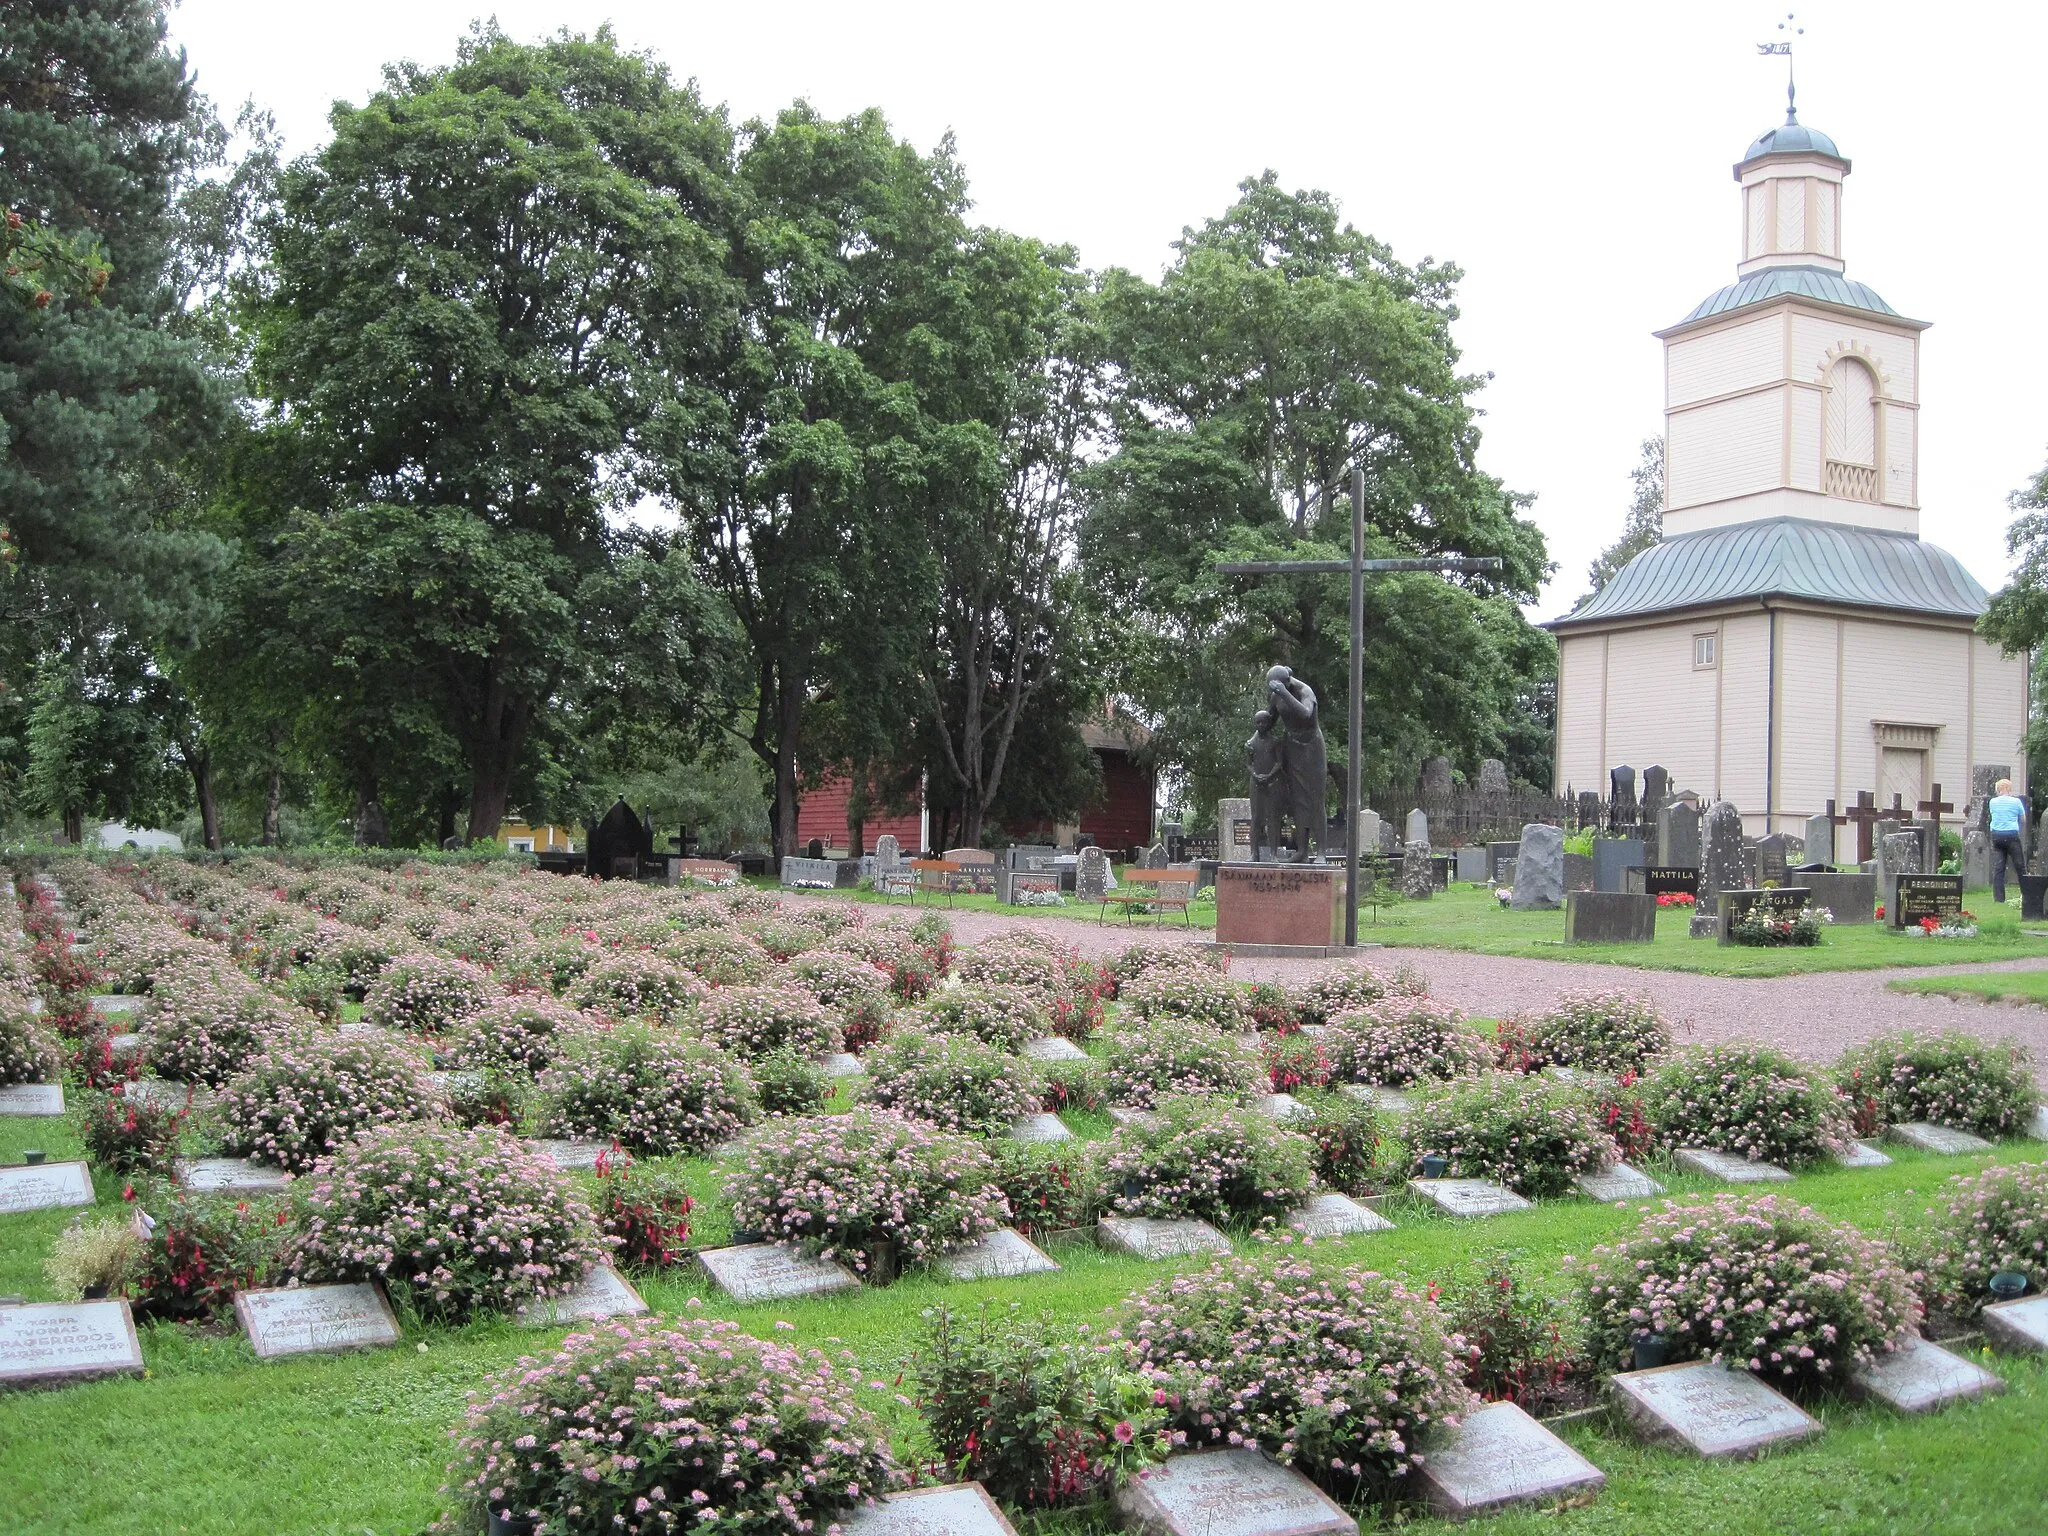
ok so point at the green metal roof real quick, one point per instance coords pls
(1791, 138)
(1786, 557)
(1816, 283)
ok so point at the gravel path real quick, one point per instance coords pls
(1812, 1016)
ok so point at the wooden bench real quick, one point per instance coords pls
(936, 875)
(1158, 880)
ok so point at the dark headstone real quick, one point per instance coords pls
(2033, 894)
(1611, 856)
(1656, 790)
(1984, 779)
(1721, 854)
(1622, 811)
(1780, 901)
(1772, 862)
(1916, 896)
(1578, 872)
(1670, 880)
(815, 848)
(1678, 834)
(1609, 917)
(618, 843)
(1497, 854)
(1589, 809)
(1849, 894)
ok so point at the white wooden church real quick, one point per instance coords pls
(1793, 639)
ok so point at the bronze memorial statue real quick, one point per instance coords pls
(1290, 768)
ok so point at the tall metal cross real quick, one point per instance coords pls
(1358, 567)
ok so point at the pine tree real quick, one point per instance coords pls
(1644, 525)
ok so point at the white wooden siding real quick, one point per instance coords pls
(1718, 362)
(1729, 448)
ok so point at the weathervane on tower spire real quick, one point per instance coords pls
(1784, 46)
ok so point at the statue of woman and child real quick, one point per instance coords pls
(1290, 769)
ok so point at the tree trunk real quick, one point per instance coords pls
(200, 764)
(789, 706)
(451, 801)
(74, 827)
(970, 823)
(495, 748)
(373, 829)
(270, 806)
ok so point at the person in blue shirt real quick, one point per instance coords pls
(2008, 841)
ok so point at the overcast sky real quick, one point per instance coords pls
(1574, 161)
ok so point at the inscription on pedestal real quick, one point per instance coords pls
(44, 1186)
(1501, 1456)
(1297, 904)
(601, 1293)
(1003, 1254)
(1229, 1493)
(1709, 1411)
(1147, 1238)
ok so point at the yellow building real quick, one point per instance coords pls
(518, 837)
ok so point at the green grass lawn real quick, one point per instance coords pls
(2021, 986)
(215, 1442)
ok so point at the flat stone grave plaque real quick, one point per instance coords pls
(1727, 1167)
(1004, 1253)
(1142, 1119)
(1712, 1412)
(1469, 1197)
(108, 1004)
(1579, 1077)
(1919, 1377)
(1333, 1215)
(221, 1175)
(1282, 1107)
(958, 1509)
(771, 1272)
(169, 1094)
(1862, 1154)
(601, 1293)
(567, 1155)
(358, 1030)
(2018, 1327)
(841, 1064)
(126, 1048)
(44, 1187)
(48, 1344)
(1145, 1237)
(1053, 1048)
(457, 1080)
(1237, 1492)
(1501, 1456)
(1621, 1182)
(315, 1319)
(1040, 1128)
(1928, 1137)
(32, 1099)
(1388, 1101)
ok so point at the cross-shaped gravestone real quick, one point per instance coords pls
(1934, 805)
(1866, 815)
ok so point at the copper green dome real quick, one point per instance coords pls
(1791, 137)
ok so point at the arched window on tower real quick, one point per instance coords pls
(1852, 431)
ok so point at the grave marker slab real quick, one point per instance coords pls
(237, 1174)
(1469, 1197)
(1727, 1167)
(111, 1003)
(770, 1272)
(1052, 1048)
(38, 1099)
(1862, 1154)
(1914, 896)
(1927, 1137)
(49, 1344)
(601, 1293)
(1239, 1492)
(2038, 1126)
(1144, 1237)
(1138, 1119)
(1040, 1128)
(2017, 1327)
(315, 1319)
(170, 1094)
(44, 1187)
(958, 1509)
(1621, 1182)
(1003, 1254)
(1388, 1101)
(810, 874)
(1609, 917)
(1333, 1215)
(1501, 1457)
(126, 1048)
(1539, 869)
(841, 1064)
(1611, 857)
(1700, 1407)
(567, 1155)
(1282, 1107)
(1919, 1377)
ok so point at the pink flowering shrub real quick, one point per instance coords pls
(1403, 1039)
(1530, 1134)
(781, 940)
(1188, 992)
(1003, 1016)
(1752, 1100)
(462, 1221)
(1050, 1185)
(306, 1094)
(869, 1189)
(954, 1081)
(724, 957)
(1949, 1078)
(789, 1084)
(1990, 1221)
(1295, 1061)
(1145, 957)
(636, 985)
(1607, 1031)
(1342, 1374)
(1171, 1056)
(524, 1033)
(27, 1053)
(1755, 1281)
(1035, 964)
(1348, 986)
(426, 994)
(1207, 1160)
(836, 979)
(658, 1094)
(705, 1427)
(207, 1025)
(753, 1021)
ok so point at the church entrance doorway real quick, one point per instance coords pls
(1903, 772)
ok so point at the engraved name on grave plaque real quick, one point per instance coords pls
(49, 1343)
(44, 1186)
(315, 1319)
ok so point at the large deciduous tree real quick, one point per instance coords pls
(490, 302)
(1644, 524)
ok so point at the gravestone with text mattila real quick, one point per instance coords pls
(601, 1293)
(958, 1509)
(1707, 1410)
(46, 1186)
(1236, 1492)
(47, 1344)
(315, 1319)
(771, 1272)
(1499, 1457)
